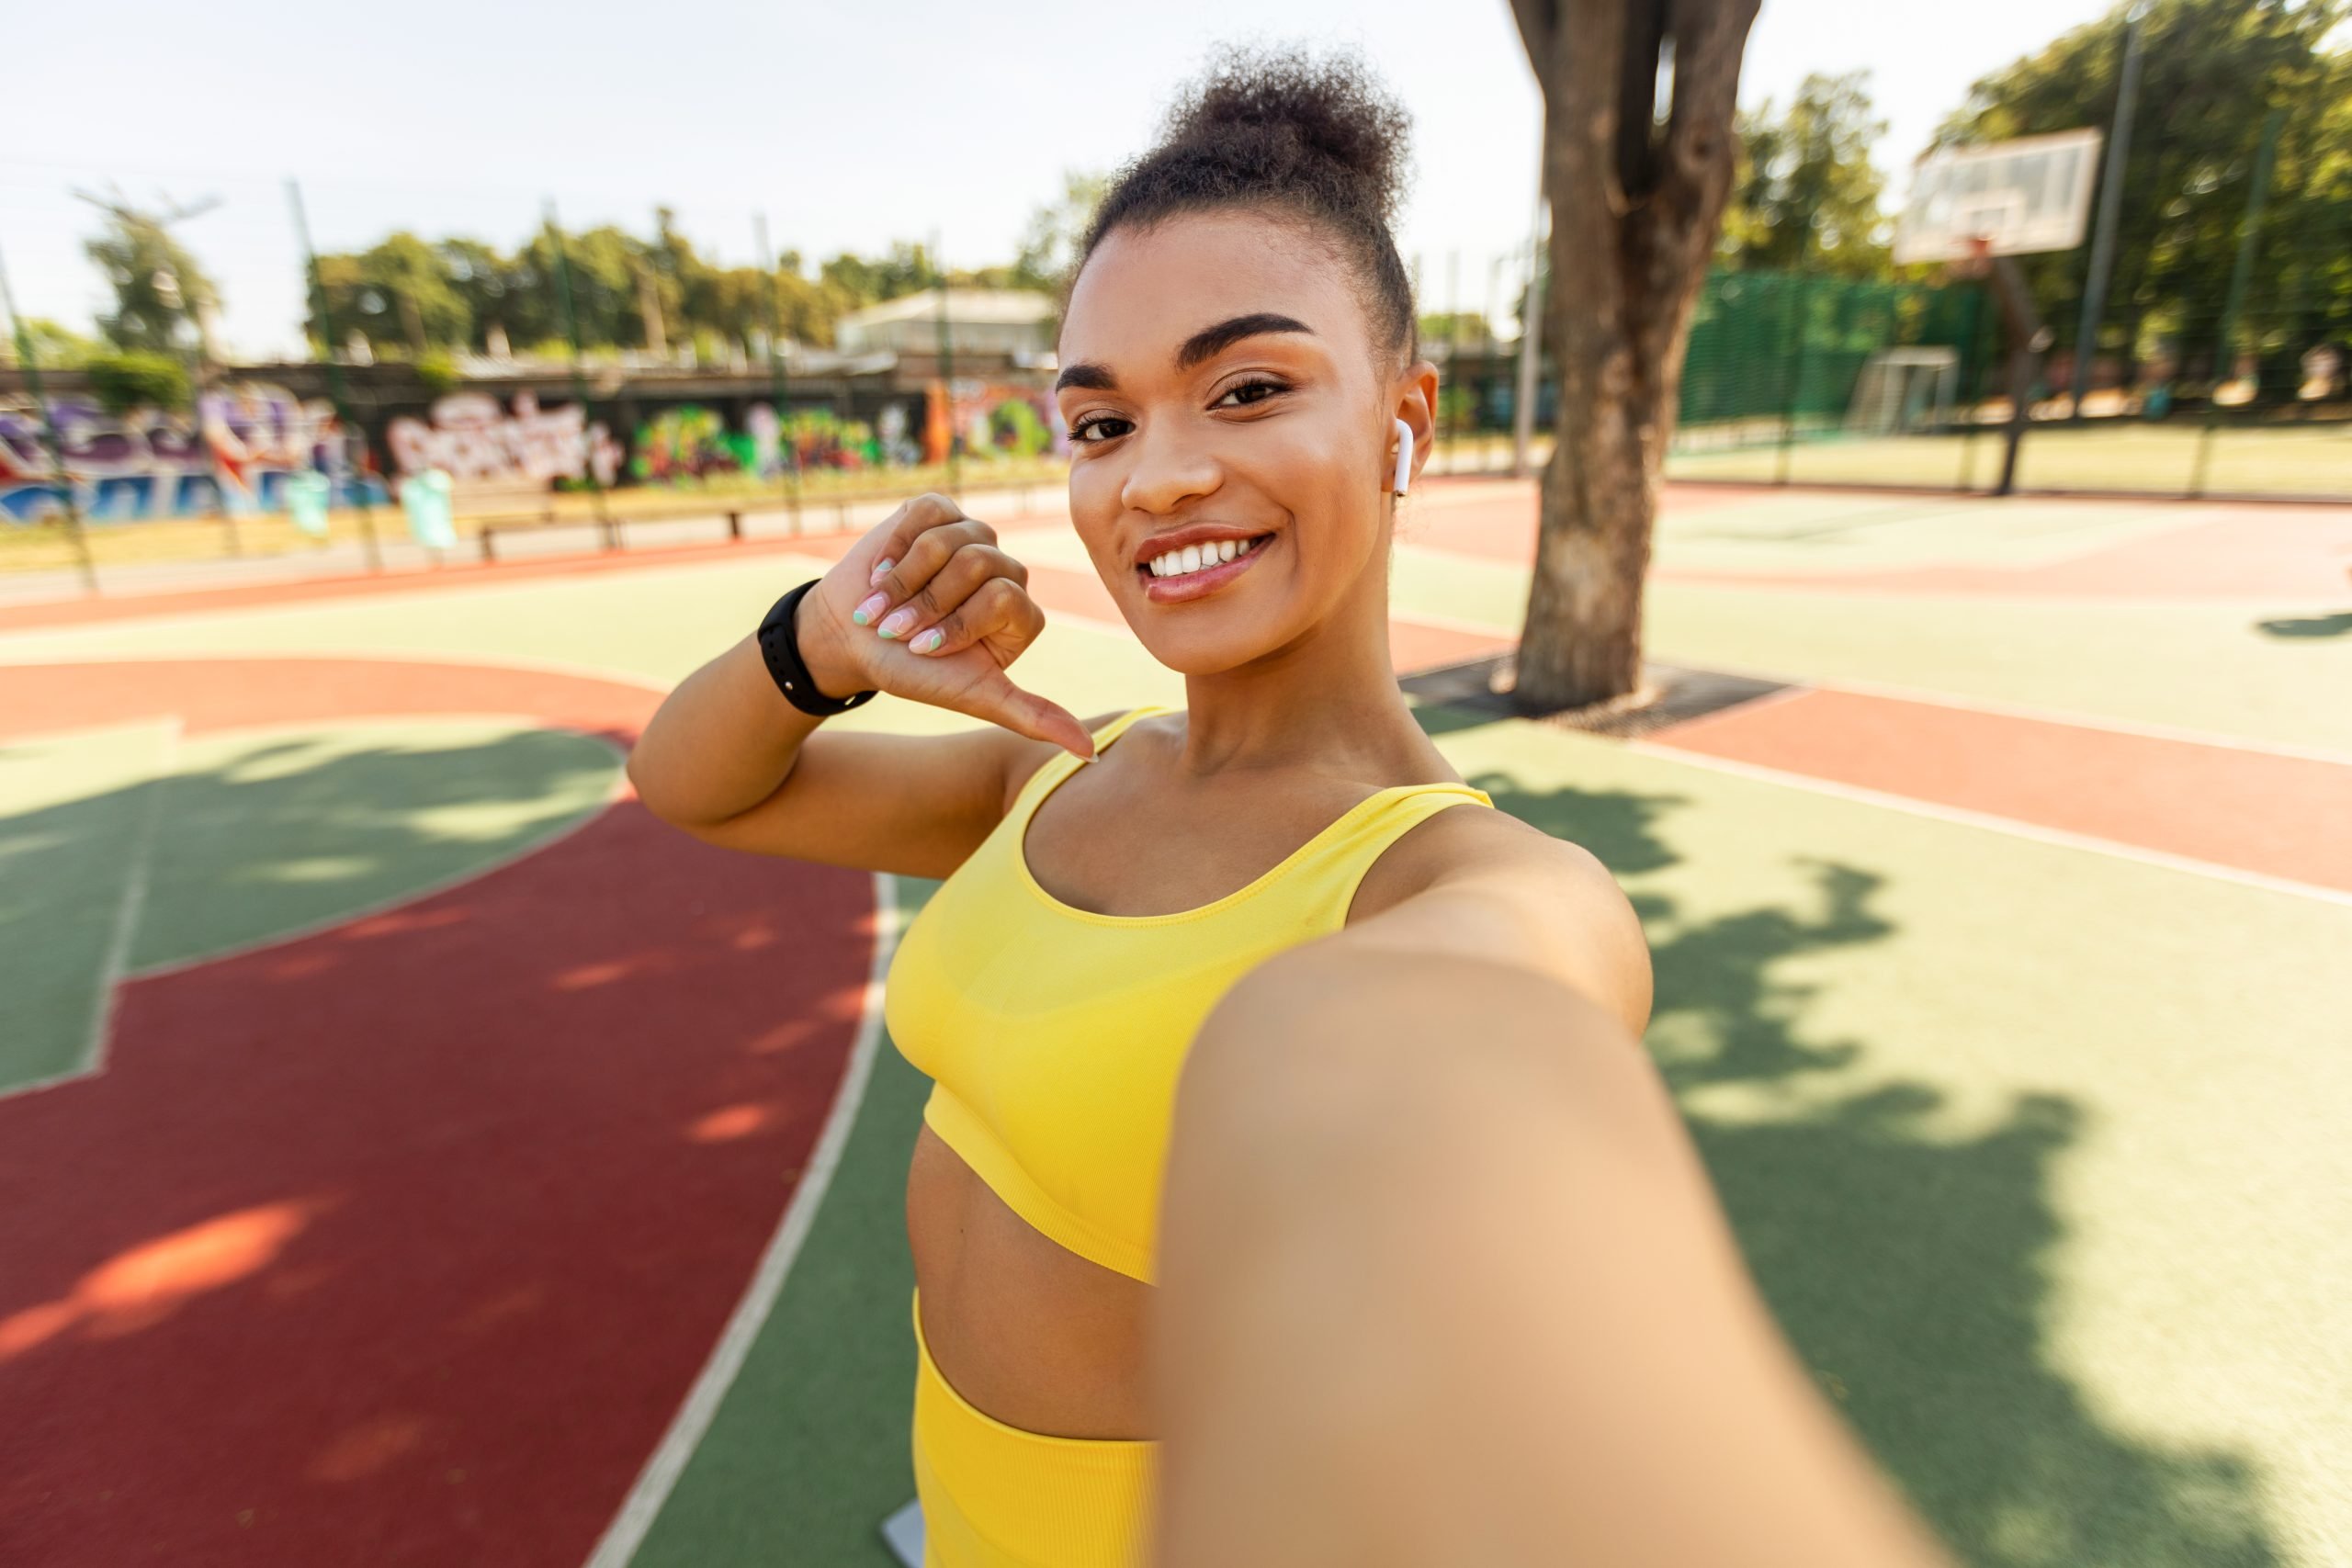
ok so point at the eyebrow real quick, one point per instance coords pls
(1204, 345)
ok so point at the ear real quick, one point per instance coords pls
(1414, 400)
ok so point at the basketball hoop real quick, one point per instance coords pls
(2013, 197)
(1977, 261)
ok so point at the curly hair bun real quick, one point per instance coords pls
(1285, 118)
(1314, 136)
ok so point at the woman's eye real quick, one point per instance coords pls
(1251, 393)
(1100, 428)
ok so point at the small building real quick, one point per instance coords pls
(1018, 323)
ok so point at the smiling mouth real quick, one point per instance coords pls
(1173, 577)
(1200, 560)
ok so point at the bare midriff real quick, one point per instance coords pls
(1027, 1331)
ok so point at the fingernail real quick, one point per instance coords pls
(868, 610)
(929, 642)
(881, 569)
(896, 621)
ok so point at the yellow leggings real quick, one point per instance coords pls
(996, 1496)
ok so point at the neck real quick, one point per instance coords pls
(1326, 700)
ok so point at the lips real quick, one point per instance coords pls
(1194, 569)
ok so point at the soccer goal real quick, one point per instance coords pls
(1903, 391)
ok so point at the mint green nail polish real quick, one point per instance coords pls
(930, 641)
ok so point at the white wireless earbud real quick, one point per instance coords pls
(1404, 457)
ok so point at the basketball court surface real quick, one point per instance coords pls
(412, 1153)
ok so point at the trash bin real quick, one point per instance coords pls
(307, 494)
(425, 499)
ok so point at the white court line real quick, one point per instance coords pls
(1955, 701)
(134, 903)
(687, 1428)
(2012, 826)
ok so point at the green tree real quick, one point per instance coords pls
(484, 281)
(164, 301)
(1806, 195)
(55, 345)
(1637, 188)
(2211, 71)
(400, 294)
(1049, 244)
(907, 269)
(135, 379)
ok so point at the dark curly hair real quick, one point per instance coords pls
(1309, 137)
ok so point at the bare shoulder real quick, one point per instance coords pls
(1485, 884)
(1022, 757)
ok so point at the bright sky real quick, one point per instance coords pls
(465, 119)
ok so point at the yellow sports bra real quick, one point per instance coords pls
(1054, 1036)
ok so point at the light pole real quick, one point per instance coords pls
(2110, 203)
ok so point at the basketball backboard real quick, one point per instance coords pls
(2032, 194)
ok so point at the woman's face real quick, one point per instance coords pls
(1224, 395)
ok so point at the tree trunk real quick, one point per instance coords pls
(1635, 214)
(412, 323)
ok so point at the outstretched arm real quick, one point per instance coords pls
(1444, 1283)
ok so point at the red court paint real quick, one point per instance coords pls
(1500, 526)
(2259, 811)
(401, 1243)
(2269, 554)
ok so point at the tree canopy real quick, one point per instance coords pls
(1806, 195)
(2211, 73)
(162, 297)
(409, 297)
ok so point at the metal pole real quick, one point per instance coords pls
(2110, 203)
(946, 370)
(2224, 350)
(579, 377)
(336, 392)
(26, 357)
(199, 370)
(1801, 289)
(1452, 383)
(787, 450)
(1530, 351)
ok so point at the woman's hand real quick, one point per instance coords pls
(926, 607)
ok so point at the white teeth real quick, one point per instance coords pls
(1192, 557)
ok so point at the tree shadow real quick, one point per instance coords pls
(2337, 625)
(254, 842)
(1912, 1270)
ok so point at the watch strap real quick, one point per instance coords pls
(781, 648)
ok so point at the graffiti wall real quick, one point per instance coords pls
(992, 419)
(691, 443)
(234, 456)
(470, 435)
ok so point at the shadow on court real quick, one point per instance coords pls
(1911, 1271)
(176, 849)
(345, 1216)
(2337, 625)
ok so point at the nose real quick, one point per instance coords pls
(1168, 471)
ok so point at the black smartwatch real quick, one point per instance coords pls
(781, 648)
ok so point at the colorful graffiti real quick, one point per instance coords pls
(693, 443)
(992, 419)
(469, 436)
(235, 455)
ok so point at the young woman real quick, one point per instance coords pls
(1393, 998)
